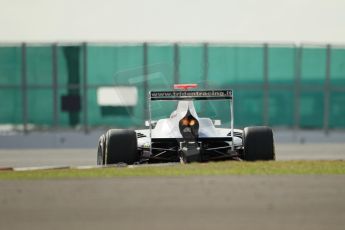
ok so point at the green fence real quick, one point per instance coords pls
(55, 85)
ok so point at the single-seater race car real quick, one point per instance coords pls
(184, 136)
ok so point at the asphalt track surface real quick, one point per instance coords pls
(80, 157)
(198, 202)
(195, 202)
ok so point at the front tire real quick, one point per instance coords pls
(258, 143)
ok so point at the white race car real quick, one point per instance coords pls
(184, 136)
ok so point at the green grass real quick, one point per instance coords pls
(221, 168)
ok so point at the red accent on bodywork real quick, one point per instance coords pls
(185, 86)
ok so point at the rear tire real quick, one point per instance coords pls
(258, 143)
(119, 146)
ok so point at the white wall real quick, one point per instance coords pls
(173, 20)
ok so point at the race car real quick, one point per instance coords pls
(185, 136)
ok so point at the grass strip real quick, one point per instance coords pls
(212, 168)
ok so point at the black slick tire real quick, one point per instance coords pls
(121, 147)
(258, 143)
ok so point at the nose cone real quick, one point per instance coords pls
(189, 126)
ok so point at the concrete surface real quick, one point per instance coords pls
(79, 157)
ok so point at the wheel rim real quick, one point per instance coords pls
(100, 153)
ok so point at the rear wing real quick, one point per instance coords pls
(195, 95)
(191, 95)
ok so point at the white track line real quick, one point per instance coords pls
(20, 169)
